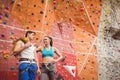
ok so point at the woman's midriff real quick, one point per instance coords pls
(47, 60)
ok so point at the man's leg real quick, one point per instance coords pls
(32, 71)
(23, 73)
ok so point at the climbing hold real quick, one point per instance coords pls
(6, 56)
(70, 19)
(19, 4)
(82, 19)
(68, 1)
(32, 13)
(34, 5)
(41, 12)
(6, 11)
(0, 17)
(12, 37)
(38, 20)
(54, 7)
(37, 39)
(34, 26)
(2, 35)
(27, 27)
(54, 2)
(45, 16)
(7, 8)
(17, 63)
(5, 19)
(2, 6)
(49, 1)
(91, 4)
(12, 32)
(5, 52)
(46, 23)
(42, 1)
(82, 9)
(13, 1)
(4, 22)
(12, 68)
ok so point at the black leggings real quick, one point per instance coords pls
(48, 72)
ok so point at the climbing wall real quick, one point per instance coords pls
(73, 25)
(108, 48)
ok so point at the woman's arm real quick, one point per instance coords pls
(58, 53)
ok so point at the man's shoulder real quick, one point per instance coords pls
(19, 42)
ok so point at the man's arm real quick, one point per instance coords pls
(37, 62)
(18, 47)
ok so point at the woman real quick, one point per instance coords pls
(48, 61)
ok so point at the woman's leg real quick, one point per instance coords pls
(43, 76)
(44, 73)
(52, 72)
(52, 75)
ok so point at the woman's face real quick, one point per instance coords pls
(46, 40)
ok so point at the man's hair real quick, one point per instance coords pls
(29, 32)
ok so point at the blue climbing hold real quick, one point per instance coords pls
(13, 1)
(6, 15)
(12, 68)
(4, 22)
(12, 32)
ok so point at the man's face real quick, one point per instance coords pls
(31, 36)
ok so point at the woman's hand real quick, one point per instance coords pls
(55, 60)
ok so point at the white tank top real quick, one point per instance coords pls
(28, 53)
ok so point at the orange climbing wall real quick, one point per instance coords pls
(73, 24)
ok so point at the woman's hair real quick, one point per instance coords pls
(51, 41)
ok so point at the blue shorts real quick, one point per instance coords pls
(27, 71)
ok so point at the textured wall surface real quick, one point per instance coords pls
(108, 48)
(73, 25)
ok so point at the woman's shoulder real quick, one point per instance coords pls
(54, 48)
(40, 48)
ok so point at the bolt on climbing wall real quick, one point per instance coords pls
(108, 47)
(73, 25)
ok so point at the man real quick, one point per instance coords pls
(25, 48)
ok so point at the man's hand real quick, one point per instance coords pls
(38, 72)
(28, 44)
